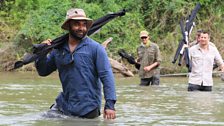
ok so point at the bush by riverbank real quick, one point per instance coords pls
(23, 23)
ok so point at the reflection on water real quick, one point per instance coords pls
(25, 98)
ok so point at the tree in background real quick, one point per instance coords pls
(25, 22)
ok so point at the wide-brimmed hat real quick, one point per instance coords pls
(144, 34)
(76, 14)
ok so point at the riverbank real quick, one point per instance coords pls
(9, 56)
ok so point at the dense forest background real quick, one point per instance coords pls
(25, 22)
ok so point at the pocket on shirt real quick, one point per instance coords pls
(63, 60)
(83, 61)
(196, 57)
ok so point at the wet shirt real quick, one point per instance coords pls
(148, 55)
(81, 74)
(202, 64)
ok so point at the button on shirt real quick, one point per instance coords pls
(202, 64)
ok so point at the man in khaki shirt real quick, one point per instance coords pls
(203, 55)
(149, 58)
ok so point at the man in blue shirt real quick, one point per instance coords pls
(82, 64)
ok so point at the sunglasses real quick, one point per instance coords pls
(66, 61)
(144, 37)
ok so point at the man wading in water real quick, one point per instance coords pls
(82, 64)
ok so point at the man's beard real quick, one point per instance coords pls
(77, 36)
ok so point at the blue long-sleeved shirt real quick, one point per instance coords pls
(81, 74)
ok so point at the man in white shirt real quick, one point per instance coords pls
(203, 55)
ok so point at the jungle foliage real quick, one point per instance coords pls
(25, 22)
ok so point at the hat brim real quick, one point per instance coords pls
(145, 35)
(65, 25)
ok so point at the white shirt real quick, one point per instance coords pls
(202, 64)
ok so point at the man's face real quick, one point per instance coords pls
(144, 39)
(78, 29)
(204, 39)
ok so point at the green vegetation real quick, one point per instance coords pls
(25, 22)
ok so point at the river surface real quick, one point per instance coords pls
(25, 98)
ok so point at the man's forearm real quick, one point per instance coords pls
(156, 64)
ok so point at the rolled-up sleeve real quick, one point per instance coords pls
(218, 58)
(158, 57)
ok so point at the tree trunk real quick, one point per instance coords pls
(115, 64)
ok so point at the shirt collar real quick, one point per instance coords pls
(199, 48)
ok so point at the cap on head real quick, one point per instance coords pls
(76, 14)
(144, 34)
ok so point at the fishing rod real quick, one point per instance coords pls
(182, 49)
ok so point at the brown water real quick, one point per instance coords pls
(25, 97)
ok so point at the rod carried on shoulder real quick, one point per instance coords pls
(40, 50)
(182, 49)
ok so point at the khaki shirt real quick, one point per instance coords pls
(202, 64)
(148, 55)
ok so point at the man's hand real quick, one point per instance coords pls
(48, 41)
(148, 68)
(109, 114)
